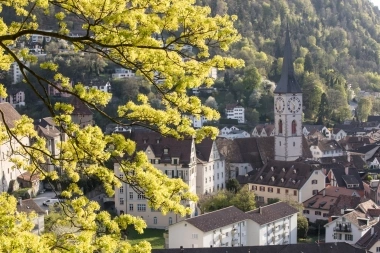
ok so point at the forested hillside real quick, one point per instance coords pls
(335, 43)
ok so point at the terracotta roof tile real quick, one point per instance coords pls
(10, 114)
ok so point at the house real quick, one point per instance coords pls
(344, 202)
(123, 73)
(82, 114)
(274, 224)
(15, 97)
(30, 180)
(227, 130)
(210, 168)
(352, 142)
(341, 176)
(15, 72)
(58, 91)
(235, 111)
(263, 130)
(310, 130)
(99, 86)
(370, 241)
(338, 134)
(28, 206)
(234, 134)
(325, 148)
(175, 158)
(318, 206)
(7, 173)
(336, 247)
(352, 224)
(197, 122)
(48, 129)
(285, 180)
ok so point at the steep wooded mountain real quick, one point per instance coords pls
(335, 43)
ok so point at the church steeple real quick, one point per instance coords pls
(288, 82)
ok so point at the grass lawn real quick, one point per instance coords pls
(153, 236)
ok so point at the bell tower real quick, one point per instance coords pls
(288, 110)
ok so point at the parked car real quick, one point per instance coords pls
(51, 202)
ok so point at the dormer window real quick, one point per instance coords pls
(295, 171)
(283, 169)
(158, 141)
(261, 177)
(282, 180)
(144, 141)
(272, 178)
(271, 168)
(166, 150)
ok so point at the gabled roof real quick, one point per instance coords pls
(28, 206)
(204, 149)
(176, 148)
(349, 179)
(352, 176)
(335, 247)
(328, 145)
(366, 148)
(217, 219)
(344, 202)
(288, 82)
(287, 174)
(370, 238)
(313, 128)
(270, 213)
(80, 108)
(337, 130)
(269, 129)
(10, 114)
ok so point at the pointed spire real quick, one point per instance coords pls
(288, 82)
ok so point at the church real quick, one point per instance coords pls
(278, 167)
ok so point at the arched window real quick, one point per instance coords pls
(280, 126)
(170, 220)
(294, 127)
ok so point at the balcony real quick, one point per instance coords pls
(343, 227)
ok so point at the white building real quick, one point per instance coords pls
(123, 73)
(177, 159)
(274, 224)
(235, 111)
(312, 130)
(7, 173)
(338, 134)
(326, 148)
(352, 224)
(103, 87)
(15, 72)
(210, 168)
(197, 122)
(15, 98)
(263, 130)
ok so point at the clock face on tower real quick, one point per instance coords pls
(294, 104)
(280, 105)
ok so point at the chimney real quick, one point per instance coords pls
(346, 170)
(19, 201)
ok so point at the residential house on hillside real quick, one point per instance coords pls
(123, 73)
(311, 130)
(352, 225)
(7, 173)
(175, 158)
(210, 168)
(58, 91)
(318, 206)
(284, 180)
(226, 130)
(235, 111)
(274, 224)
(338, 134)
(28, 206)
(15, 97)
(325, 148)
(99, 85)
(197, 122)
(263, 130)
(234, 134)
(82, 115)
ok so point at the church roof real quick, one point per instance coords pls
(288, 82)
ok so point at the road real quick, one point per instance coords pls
(43, 197)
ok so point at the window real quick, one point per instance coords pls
(155, 220)
(206, 180)
(121, 201)
(166, 151)
(314, 181)
(337, 236)
(315, 192)
(377, 249)
(141, 207)
(294, 127)
(121, 189)
(306, 211)
(141, 196)
(278, 190)
(194, 236)
(130, 207)
(130, 195)
(270, 189)
(170, 220)
(294, 144)
(295, 192)
(254, 187)
(348, 237)
(280, 127)
(325, 215)
(318, 213)
(262, 188)
(286, 191)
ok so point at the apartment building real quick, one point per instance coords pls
(235, 111)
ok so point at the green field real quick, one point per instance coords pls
(154, 236)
